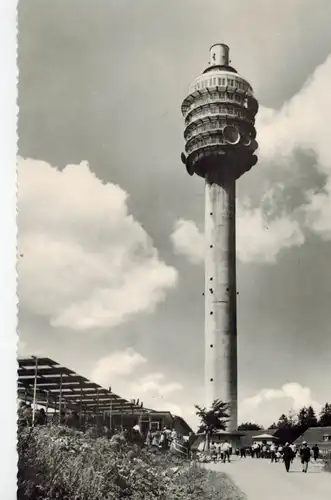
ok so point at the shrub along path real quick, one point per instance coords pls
(260, 480)
(57, 463)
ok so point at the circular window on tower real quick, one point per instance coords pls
(231, 134)
(246, 140)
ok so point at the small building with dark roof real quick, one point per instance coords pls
(249, 437)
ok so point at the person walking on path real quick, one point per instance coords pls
(294, 449)
(213, 452)
(258, 451)
(305, 454)
(287, 456)
(218, 451)
(316, 451)
(226, 451)
(273, 453)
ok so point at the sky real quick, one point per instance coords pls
(110, 226)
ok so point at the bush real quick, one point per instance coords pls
(60, 463)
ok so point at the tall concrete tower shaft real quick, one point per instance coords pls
(220, 296)
(220, 137)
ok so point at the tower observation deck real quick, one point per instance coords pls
(220, 138)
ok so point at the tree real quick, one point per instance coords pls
(249, 426)
(302, 418)
(289, 421)
(292, 419)
(287, 430)
(291, 426)
(325, 416)
(213, 419)
(311, 417)
(283, 422)
(307, 418)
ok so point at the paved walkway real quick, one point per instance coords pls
(261, 480)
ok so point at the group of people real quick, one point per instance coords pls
(169, 439)
(285, 453)
(160, 439)
(265, 450)
(221, 451)
(25, 415)
(305, 454)
(269, 451)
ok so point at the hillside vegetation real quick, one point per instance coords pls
(60, 463)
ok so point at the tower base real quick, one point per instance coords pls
(233, 437)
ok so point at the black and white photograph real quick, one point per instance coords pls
(173, 250)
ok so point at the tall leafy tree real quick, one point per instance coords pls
(325, 416)
(213, 419)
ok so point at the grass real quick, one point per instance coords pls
(222, 487)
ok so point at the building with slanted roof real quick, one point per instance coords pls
(264, 438)
(317, 435)
(249, 437)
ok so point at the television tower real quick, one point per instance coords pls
(220, 140)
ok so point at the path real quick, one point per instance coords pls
(260, 480)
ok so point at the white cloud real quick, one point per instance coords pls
(188, 241)
(267, 405)
(304, 122)
(122, 370)
(318, 211)
(25, 349)
(22, 348)
(154, 383)
(86, 262)
(258, 240)
(117, 363)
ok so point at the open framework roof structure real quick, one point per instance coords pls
(57, 387)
